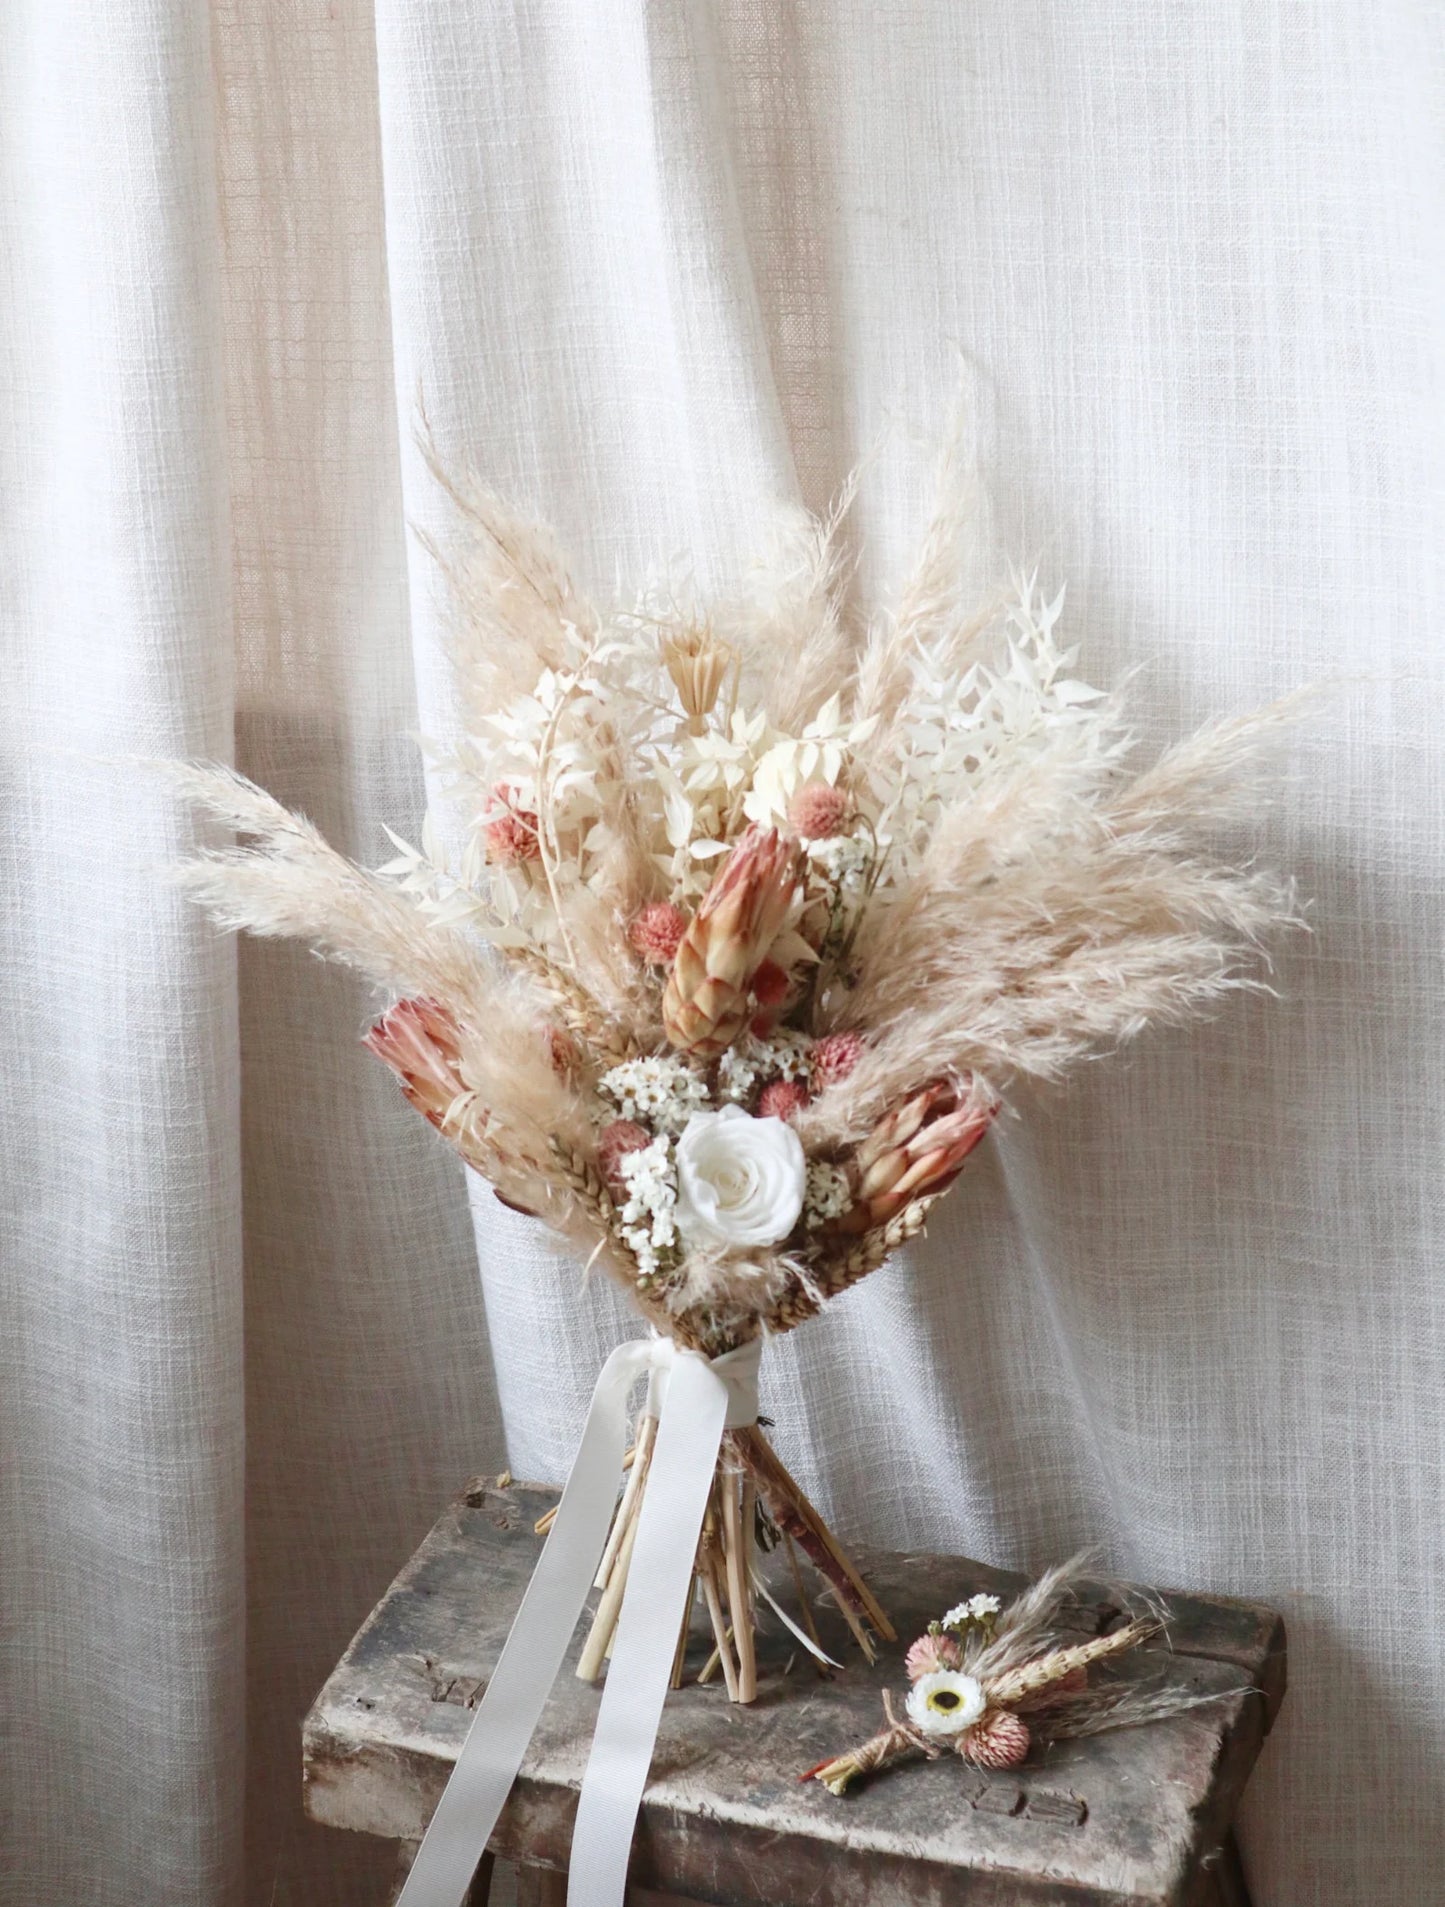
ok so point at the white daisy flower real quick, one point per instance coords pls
(945, 1702)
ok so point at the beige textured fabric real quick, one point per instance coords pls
(653, 267)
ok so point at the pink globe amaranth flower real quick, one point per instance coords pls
(512, 839)
(656, 932)
(833, 1058)
(818, 811)
(998, 1739)
(929, 1654)
(613, 1145)
(781, 1099)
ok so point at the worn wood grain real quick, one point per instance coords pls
(1131, 1819)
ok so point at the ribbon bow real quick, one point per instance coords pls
(695, 1399)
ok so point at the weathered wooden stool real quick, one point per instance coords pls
(1136, 1818)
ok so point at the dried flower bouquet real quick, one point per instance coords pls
(752, 918)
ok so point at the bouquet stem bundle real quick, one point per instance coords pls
(754, 1499)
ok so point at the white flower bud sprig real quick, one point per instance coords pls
(978, 1615)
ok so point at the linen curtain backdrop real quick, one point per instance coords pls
(653, 269)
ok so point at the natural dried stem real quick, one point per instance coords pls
(796, 1516)
(642, 1458)
(747, 1470)
(893, 1743)
(737, 1552)
(594, 1650)
(709, 1569)
(804, 1600)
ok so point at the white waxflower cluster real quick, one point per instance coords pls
(751, 1062)
(828, 1194)
(976, 1609)
(648, 1218)
(843, 860)
(790, 1055)
(662, 1092)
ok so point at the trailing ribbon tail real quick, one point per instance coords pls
(695, 1399)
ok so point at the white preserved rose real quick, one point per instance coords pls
(740, 1180)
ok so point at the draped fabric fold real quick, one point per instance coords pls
(659, 271)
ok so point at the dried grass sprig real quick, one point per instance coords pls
(515, 607)
(791, 629)
(286, 881)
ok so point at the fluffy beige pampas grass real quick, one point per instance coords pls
(1060, 912)
(284, 880)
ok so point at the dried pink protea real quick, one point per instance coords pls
(818, 811)
(781, 1098)
(707, 1002)
(655, 933)
(999, 1739)
(420, 1041)
(614, 1143)
(915, 1151)
(832, 1059)
(931, 1653)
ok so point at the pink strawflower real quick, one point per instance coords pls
(929, 1654)
(833, 1058)
(818, 811)
(782, 1099)
(656, 932)
(613, 1145)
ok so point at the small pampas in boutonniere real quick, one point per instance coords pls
(987, 1683)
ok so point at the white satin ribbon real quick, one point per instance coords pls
(695, 1400)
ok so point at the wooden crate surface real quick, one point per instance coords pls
(1120, 1820)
